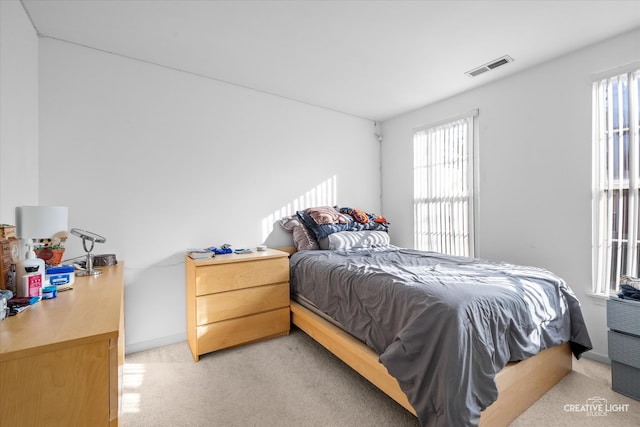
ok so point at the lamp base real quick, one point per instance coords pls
(93, 272)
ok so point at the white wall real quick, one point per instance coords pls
(535, 168)
(159, 161)
(18, 110)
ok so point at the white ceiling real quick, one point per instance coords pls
(373, 59)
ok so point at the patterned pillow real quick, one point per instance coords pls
(326, 215)
(302, 239)
(355, 240)
(320, 231)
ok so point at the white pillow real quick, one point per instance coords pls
(355, 240)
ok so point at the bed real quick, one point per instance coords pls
(456, 341)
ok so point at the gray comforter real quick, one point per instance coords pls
(442, 325)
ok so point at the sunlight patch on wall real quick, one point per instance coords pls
(132, 377)
(323, 194)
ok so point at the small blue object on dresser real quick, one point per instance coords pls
(224, 249)
(623, 321)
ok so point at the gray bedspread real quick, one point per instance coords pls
(442, 325)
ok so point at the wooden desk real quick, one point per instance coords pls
(61, 359)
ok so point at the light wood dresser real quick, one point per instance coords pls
(61, 359)
(234, 299)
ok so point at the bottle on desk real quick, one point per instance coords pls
(29, 274)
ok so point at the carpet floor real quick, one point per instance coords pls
(293, 381)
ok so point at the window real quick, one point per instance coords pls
(443, 183)
(616, 179)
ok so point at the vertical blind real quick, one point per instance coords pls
(443, 186)
(616, 180)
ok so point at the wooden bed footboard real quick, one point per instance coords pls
(520, 384)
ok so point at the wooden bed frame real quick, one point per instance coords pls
(520, 384)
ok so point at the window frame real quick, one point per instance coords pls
(607, 205)
(450, 246)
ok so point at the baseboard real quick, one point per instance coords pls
(597, 357)
(158, 342)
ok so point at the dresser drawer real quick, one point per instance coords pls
(238, 275)
(624, 348)
(623, 316)
(243, 302)
(625, 379)
(228, 333)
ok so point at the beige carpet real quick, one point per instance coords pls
(292, 381)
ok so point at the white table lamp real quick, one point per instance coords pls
(41, 222)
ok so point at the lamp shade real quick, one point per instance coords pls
(41, 222)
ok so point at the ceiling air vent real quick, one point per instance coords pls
(490, 66)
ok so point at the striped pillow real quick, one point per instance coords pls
(355, 240)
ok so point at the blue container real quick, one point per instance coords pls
(63, 275)
(49, 292)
